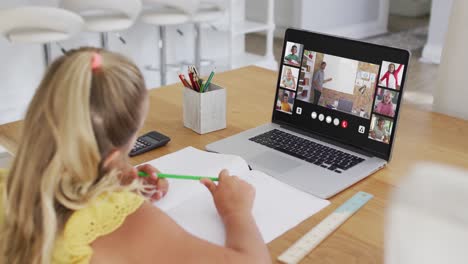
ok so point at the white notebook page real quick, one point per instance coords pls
(278, 207)
(191, 161)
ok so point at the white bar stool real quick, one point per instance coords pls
(105, 16)
(207, 12)
(163, 13)
(37, 24)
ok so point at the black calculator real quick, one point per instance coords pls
(149, 141)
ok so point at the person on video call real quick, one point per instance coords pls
(379, 132)
(386, 107)
(292, 58)
(391, 77)
(289, 81)
(318, 80)
(285, 106)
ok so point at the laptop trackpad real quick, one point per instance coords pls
(274, 162)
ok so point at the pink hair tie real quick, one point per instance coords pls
(96, 61)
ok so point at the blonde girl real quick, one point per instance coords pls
(289, 81)
(71, 196)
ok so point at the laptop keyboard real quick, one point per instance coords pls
(307, 150)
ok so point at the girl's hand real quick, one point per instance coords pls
(161, 186)
(231, 195)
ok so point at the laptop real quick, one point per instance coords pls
(317, 143)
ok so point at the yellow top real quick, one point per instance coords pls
(285, 107)
(103, 216)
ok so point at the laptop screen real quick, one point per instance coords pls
(342, 89)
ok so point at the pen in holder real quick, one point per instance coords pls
(205, 112)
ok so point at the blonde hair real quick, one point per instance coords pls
(387, 92)
(76, 118)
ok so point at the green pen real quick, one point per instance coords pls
(207, 83)
(174, 176)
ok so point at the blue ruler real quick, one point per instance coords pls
(316, 235)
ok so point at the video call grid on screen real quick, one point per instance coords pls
(289, 76)
(356, 96)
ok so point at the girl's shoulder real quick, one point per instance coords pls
(106, 210)
(100, 217)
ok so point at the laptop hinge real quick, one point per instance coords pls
(327, 140)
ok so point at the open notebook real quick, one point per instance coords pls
(277, 207)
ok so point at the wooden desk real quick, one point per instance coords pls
(421, 136)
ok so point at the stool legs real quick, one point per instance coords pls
(163, 54)
(47, 54)
(198, 45)
(104, 40)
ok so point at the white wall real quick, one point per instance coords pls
(286, 13)
(22, 65)
(20, 71)
(355, 19)
(451, 93)
(336, 13)
(438, 24)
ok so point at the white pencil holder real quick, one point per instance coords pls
(205, 112)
